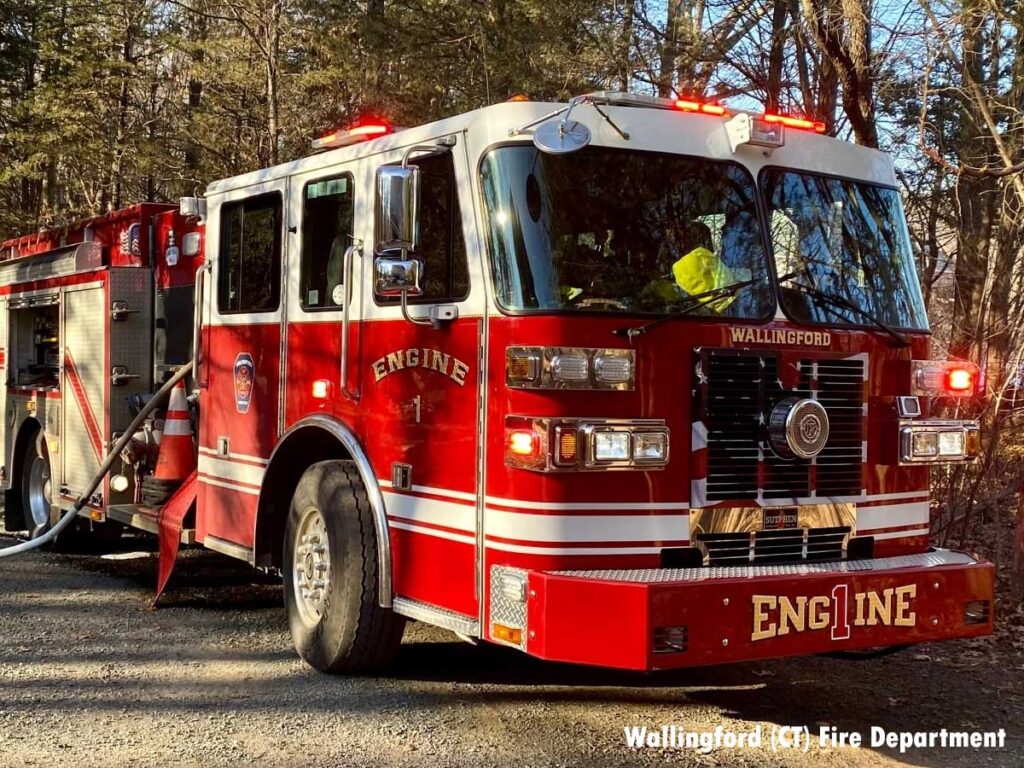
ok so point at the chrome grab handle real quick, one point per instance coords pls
(346, 269)
(197, 317)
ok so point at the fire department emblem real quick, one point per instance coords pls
(244, 375)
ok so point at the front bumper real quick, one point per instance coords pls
(667, 618)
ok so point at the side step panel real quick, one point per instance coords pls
(439, 617)
(144, 519)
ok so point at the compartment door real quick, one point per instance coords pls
(6, 440)
(85, 377)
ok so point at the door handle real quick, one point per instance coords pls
(197, 318)
(346, 270)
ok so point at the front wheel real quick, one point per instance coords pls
(331, 574)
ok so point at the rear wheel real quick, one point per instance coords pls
(36, 488)
(331, 574)
(37, 500)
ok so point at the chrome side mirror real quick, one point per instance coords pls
(397, 214)
(397, 277)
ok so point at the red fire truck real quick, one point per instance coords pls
(629, 382)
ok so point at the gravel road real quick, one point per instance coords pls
(91, 675)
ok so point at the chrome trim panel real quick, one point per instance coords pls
(439, 617)
(369, 478)
(229, 548)
(933, 559)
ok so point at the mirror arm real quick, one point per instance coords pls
(419, 149)
(410, 318)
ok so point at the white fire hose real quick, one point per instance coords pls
(69, 516)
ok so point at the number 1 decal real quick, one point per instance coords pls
(840, 618)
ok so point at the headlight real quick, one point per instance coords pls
(650, 446)
(611, 446)
(569, 368)
(554, 445)
(939, 441)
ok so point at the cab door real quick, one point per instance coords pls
(421, 391)
(240, 414)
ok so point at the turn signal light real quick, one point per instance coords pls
(511, 635)
(522, 442)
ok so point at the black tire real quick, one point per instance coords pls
(81, 535)
(337, 625)
(36, 486)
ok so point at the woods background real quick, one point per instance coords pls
(103, 104)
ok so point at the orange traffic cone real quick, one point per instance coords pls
(177, 458)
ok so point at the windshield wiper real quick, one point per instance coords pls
(696, 301)
(839, 301)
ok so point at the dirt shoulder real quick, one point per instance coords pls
(91, 675)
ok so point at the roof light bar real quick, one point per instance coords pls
(346, 136)
(689, 105)
(799, 123)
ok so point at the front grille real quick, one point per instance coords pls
(785, 545)
(735, 395)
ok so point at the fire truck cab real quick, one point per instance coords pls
(630, 382)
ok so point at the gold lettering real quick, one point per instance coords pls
(861, 611)
(818, 618)
(459, 371)
(395, 361)
(736, 334)
(792, 616)
(379, 371)
(880, 608)
(439, 361)
(763, 628)
(904, 616)
(412, 357)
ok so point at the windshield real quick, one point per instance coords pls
(612, 230)
(845, 238)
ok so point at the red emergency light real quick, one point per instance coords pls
(799, 123)
(690, 105)
(357, 133)
(945, 378)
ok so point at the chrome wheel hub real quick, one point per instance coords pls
(311, 561)
(39, 498)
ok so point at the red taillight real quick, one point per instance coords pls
(688, 105)
(959, 379)
(799, 123)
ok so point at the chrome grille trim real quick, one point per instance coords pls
(933, 559)
(775, 544)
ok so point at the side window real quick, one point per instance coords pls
(442, 247)
(327, 222)
(250, 255)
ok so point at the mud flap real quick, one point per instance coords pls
(170, 520)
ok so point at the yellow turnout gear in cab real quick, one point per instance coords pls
(700, 271)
